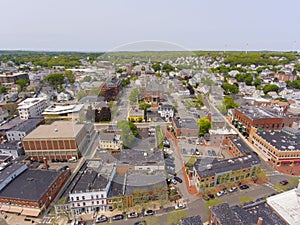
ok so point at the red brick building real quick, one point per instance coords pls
(32, 191)
(261, 118)
(60, 140)
(111, 88)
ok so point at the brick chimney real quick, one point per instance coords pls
(259, 221)
(46, 164)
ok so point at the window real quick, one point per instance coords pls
(77, 198)
(102, 196)
(83, 197)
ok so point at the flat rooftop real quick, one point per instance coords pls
(256, 113)
(287, 205)
(8, 170)
(144, 180)
(187, 123)
(60, 109)
(141, 157)
(237, 215)
(281, 140)
(29, 102)
(30, 185)
(56, 130)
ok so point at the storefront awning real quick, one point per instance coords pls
(15, 209)
(285, 162)
(31, 212)
(297, 161)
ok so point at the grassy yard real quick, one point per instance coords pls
(160, 136)
(174, 217)
(293, 182)
(244, 199)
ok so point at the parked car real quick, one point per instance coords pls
(243, 187)
(233, 189)
(220, 193)
(133, 215)
(143, 222)
(149, 212)
(178, 179)
(101, 219)
(205, 197)
(197, 152)
(284, 182)
(118, 217)
(174, 181)
(211, 196)
(180, 206)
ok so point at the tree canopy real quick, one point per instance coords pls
(70, 76)
(204, 125)
(128, 132)
(156, 66)
(134, 96)
(229, 103)
(230, 88)
(270, 87)
(22, 83)
(55, 79)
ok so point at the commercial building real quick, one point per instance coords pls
(12, 148)
(32, 107)
(11, 78)
(63, 112)
(212, 173)
(261, 118)
(60, 140)
(32, 191)
(287, 205)
(259, 214)
(8, 171)
(91, 190)
(280, 148)
(140, 160)
(185, 127)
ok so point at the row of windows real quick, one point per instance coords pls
(84, 204)
(83, 197)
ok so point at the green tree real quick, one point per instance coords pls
(168, 68)
(156, 66)
(55, 79)
(204, 125)
(230, 88)
(134, 96)
(270, 87)
(3, 89)
(87, 79)
(144, 106)
(257, 82)
(229, 103)
(22, 83)
(128, 132)
(70, 76)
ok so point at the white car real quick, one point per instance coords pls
(180, 206)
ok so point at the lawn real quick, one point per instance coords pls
(174, 217)
(293, 183)
(244, 199)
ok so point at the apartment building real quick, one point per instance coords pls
(32, 107)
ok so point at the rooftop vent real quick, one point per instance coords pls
(55, 130)
(209, 166)
(291, 147)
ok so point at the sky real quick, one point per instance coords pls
(114, 25)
